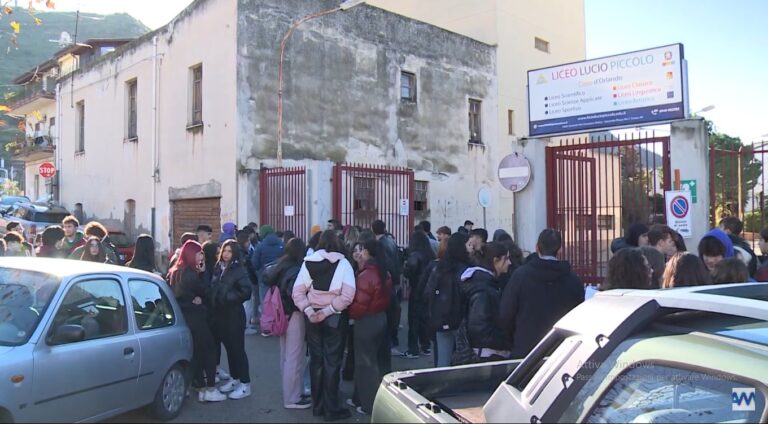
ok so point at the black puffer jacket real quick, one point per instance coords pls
(392, 258)
(230, 286)
(442, 293)
(538, 294)
(283, 274)
(189, 286)
(481, 293)
(415, 268)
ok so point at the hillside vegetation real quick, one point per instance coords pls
(33, 46)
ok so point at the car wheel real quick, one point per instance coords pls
(170, 395)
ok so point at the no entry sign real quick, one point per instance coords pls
(678, 206)
(514, 172)
(46, 170)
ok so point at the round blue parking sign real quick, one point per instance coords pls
(679, 207)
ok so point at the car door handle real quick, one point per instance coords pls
(128, 351)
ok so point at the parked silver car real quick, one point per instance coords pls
(81, 341)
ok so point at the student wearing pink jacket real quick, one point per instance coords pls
(323, 290)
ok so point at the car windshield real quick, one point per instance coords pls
(24, 297)
(12, 200)
(120, 240)
(55, 217)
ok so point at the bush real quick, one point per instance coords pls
(754, 221)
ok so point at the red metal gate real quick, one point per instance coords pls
(283, 199)
(597, 188)
(737, 184)
(363, 193)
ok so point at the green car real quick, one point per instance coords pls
(693, 354)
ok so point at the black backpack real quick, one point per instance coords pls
(446, 307)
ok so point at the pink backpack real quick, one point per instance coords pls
(273, 319)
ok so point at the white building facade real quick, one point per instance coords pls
(171, 130)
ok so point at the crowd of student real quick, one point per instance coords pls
(655, 257)
(338, 296)
(67, 241)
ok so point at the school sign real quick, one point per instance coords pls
(627, 90)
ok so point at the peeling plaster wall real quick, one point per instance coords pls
(512, 27)
(342, 97)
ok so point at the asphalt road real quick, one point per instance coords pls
(265, 403)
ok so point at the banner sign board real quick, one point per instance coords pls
(625, 90)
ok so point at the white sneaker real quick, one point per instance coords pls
(213, 395)
(229, 386)
(242, 390)
(222, 375)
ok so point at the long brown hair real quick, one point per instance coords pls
(101, 257)
(730, 270)
(627, 270)
(685, 269)
(234, 247)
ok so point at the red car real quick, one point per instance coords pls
(123, 243)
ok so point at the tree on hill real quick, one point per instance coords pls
(33, 39)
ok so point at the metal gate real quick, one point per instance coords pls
(363, 193)
(737, 184)
(283, 199)
(597, 188)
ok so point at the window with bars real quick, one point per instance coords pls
(407, 86)
(364, 193)
(421, 196)
(475, 121)
(364, 200)
(605, 222)
(583, 222)
(80, 113)
(196, 117)
(131, 109)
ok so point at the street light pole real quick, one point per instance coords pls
(704, 109)
(344, 6)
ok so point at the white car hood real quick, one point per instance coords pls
(5, 349)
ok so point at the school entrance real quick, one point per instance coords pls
(597, 187)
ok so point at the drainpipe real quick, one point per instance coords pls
(155, 161)
(57, 146)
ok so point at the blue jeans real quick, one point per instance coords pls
(444, 347)
(263, 289)
(251, 311)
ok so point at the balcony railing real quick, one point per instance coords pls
(32, 146)
(44, 88)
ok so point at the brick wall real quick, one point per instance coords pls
(188, 214)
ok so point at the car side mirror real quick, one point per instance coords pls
(67, 333)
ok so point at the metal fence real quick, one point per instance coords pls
(283, 199)
(363, 193)
(599, 186)
(737, 184)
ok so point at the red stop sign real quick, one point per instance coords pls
(47, 170)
